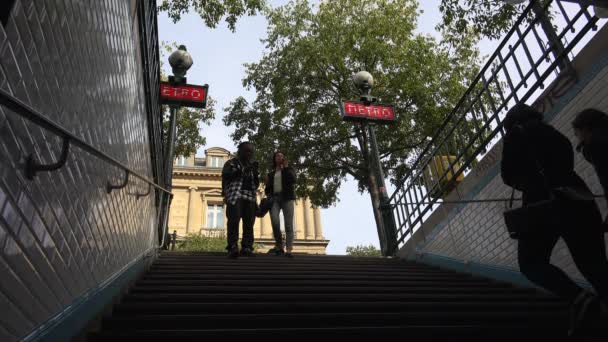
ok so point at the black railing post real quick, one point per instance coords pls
(170, 148)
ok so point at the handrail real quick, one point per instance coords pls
(463, 99)
(25, 111)
(491, 200)
(29, 113)
(416, 195)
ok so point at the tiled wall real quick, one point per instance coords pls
(476, 232)
(79, 63)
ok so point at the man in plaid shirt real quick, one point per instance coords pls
(240, 180)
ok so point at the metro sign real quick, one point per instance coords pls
(357, 111)
(187, 95)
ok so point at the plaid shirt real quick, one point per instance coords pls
(232, 185)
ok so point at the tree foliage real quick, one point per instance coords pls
(212, 11)
(363, 251)
(202, 243)
(188, 136)
(306, 70)
(490, 18)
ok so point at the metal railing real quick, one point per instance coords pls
(32, 166)
(533, 53)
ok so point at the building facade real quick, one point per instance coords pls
(198, 206)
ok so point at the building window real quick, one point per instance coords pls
(181, 161)
(215, 216)
(215, 161)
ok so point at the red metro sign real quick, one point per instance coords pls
(357, 111)
(187, 95)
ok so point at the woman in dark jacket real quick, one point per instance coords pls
(591, 129)
(537, 159)
(280, 186)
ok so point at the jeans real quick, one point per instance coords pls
(245, 210)
(585, 240)
(288, 210)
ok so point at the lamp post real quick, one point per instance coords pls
(180, 61)
(364, 82)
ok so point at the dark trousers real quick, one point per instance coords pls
(584, 237)
(245, 210)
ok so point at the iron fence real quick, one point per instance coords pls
(536, 52)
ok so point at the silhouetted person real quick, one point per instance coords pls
(240, 180)
(591, 129)
(280, 184)
(530, 145)
(173, 239)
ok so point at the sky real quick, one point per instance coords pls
(219, 55)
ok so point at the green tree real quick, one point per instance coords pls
(489, 18)
(363, 251)
(306, 70)
(212, 11)
(188, 136)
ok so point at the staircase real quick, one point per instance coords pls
(188, 296)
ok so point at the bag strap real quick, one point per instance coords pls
(512, 198)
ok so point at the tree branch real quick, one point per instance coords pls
(316, 141)
(352, 165)
(400, 148)
(326, 168)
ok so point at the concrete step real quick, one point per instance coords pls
(197, 296)
(312, 276)
(482, 333)
(273, 260)
(302, 320)
(238, 268)
(332, 289)
(321, 306)
(370, 282)
(331, 297)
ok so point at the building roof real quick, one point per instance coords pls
(219, 150)
(197, 171)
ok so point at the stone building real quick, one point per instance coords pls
(197, 206)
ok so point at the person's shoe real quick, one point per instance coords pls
(579, 309)
(233, 253)
(289, 255)
(247, 252)
(276, 251)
